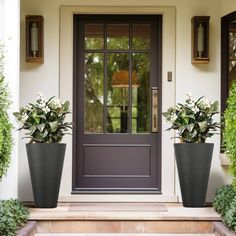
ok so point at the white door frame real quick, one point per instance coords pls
(168, 98)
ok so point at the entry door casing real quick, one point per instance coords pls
(115, 148)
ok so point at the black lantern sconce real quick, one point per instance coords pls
(34, 39)
(200, 39)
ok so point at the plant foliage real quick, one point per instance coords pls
(13, 215)
(230, 217)
(223, 197)
(193, 119)
(6, 140)
(44, 120)
(229, 134)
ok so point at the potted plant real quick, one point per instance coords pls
(45, 123)
(194, 123)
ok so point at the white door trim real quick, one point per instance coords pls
(168, 97)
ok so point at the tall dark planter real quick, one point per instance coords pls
(193, 164)
(45, 164)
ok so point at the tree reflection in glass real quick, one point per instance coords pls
(117, 92)
(232, 53)
(127, 75)
(93, 84)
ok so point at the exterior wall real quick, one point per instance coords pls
(9, 35)
(227, 7)
(199, 79)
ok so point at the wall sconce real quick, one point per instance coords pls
(200, 39)
(34, 39)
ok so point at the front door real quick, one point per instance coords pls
(117, 103)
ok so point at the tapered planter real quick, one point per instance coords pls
(45, 164)
(193, 164)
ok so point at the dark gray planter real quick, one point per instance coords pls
(193, 164)
(45, 164)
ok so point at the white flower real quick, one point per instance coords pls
(205, 104)
(24, 118)
(41, 97)
(55, 103)
(189, 95)
(46, 109)
(41, 104)
(189, 99)
(29, 107)
(173, 118)
(195, 109)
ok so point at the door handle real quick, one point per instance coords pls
(154, 110)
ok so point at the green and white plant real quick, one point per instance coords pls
(193, 119)
(44, 120)
(6, 140)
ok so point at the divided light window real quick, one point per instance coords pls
(117, 77)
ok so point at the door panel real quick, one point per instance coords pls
(123, 161)
(117, 63)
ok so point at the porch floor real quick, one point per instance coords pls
(106, 212)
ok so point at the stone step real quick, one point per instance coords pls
(106, 219)
(98, 226)
(130, 234)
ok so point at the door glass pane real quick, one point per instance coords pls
(94, 36)
(117, 36)
(140, 93)
(232, 45)
(141, 36)
(93, 85)
(232, 73)
(232, 54)
(117, 92)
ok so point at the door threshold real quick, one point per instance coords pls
(119, 198)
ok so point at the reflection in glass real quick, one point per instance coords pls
(232, 73)
(140, 93)
(117, 36)
(141, 36)
(93, 92)
(232, 54)
(232, 45)
(117, 92)
(94, 36)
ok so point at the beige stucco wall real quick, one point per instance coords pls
(227, 7)
(198, 79)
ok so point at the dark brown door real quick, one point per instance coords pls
(117, 103)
